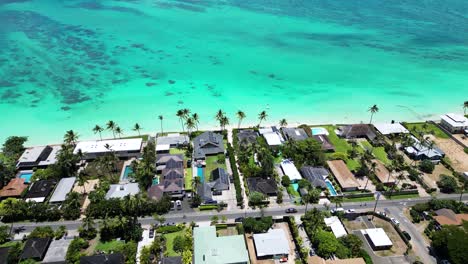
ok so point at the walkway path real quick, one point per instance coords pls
(241, 177)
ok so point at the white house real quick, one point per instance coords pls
(336, 226)
(377, 238)
(454, 123)
(121, 147)
(290, 170)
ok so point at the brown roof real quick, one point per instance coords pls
(319, 260)
(358, 131)
(14, 188)
(156, 192)
(344, 176)
(326, 144)
(382, 173)
(448, 217)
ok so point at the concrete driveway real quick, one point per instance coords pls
(145, 241)
(378, 259)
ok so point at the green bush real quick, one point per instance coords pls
(366, 256)
(447, 184)
(74, 250)
(427, 166)
(415, 216)
(466, 150)
(206, 207)
(285, 181)
(169, 229)
(235, 174)
(252, 225)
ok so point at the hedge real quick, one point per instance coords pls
(206, 207)
(169, 229)
(235, 174)
(297, 239)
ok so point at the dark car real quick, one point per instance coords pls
(151, 233)
(406, 235)
(291, 210)
(239, 220)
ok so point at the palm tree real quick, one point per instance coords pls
(196, 119)
(261, 117)
(224, 122)
(186, 112)
(338, 200)
(111, 125)
(70, 137)
(465, 106)
(219, 115)
(82, 181)
(98, 129)
(195, 183)
(373, 109)
(137, 127)
(240, 115)
(119, 131)
(88, 223)
(161, 219)
(181, 115)
(160, 117)
(190, 123)
(283, 122)
(372, 169)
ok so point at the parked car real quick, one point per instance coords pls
(172, 206)
(350, 211)
(396, 222)
(291, 210)
(151, 233)
(407, 235)
(189, 195)
(239, 220)
(334, 211)
(178, 204)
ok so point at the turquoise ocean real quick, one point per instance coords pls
(74, 64)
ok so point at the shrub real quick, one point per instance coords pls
(427, 166)
(285, 181)
(415, 216)
(169, 229)
(363, 254)
(447, 184)
(256, 198)
(235, 174)
(466, 150)
(252, 225)
(207, 207)
(73, 253)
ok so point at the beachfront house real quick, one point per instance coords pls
(271, 245)
(295, 134)
(266, 186)
(247, 137)
(391, 129)
(343, 175)
(62, 189)
(174, 140)
(290, 170)
(40, 190)
(377, 238)
(38, 157)
(209, 248)
(315, 175)
(454, 123)
(325, 141)
(122, 148)
(422, 151)
(122, 190)
(356, 131)
(272, 136)
(206, 144)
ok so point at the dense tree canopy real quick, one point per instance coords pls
(447, 184)
(252, 225)
(304, 152)
(452, 243)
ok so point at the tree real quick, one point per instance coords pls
(447, 184)
(283, 122)
(187, 257)
(256, 198)
(161, 118)
(279, 197)
(119, 131)
(373, 109)
(159, 218)
(190, 123)
(262, 117)
(224, 122)
(465, 106)
(195, 183)
(219, 115)
(181, 115)
(196, 119)
(338, 200)
(111, 125)
(426, 166)
(312, 196)
(285, 181)
(240, 115)
(179, 244)
(252, 225)
(4, 234)
(14, 146)
(70, 138)
(42, 232)
(74, 250)
(326, 243)
(137, 128)
(98, 129)
(451, 243)
(71, 206)
(353, 243)
(304, 152)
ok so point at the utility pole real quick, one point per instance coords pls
(375, 206)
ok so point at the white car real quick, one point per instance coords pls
(337, 210)
(396, 222)
(350, 211)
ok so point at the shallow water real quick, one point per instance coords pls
(73, 64)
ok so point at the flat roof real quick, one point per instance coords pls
(290, 170)
(122, 190)
(455, 120)
(341, 172)
(172, 139)
(336, 226)
(211, 249)
(378, 237)
(57, 251)
(274, 242)
(99, 146)
(31, 154)
(273, 138)
(64, 186)
(52, 158)
(389, 128)
(163, 147)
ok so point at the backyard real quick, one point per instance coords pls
(108, 247)
(426, 128)
(342, 146)
(399, 247)
(170, 243)
(378, 152)
(188, 178)
(212, 163)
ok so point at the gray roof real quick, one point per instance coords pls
(173, 173)
(208, 143)
(247, 136)
(315, 175)
(265, 186)
(122, 190)
(172, 139)
(57, 251)
(172, 260)
(220, 180)
(52, 158)
(163, 159)
(64, 186)
(420, 149)
(173, 185)
(204, 191)
(296, 134)
(35, 248)
(32, 154)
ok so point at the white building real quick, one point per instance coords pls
(336, 226)
(39, 157)
(121, 147)
(273, 138)
(388, 129)
(272, 244)
(122, 190)
(454, 123)
(290, 170)
(377, 238)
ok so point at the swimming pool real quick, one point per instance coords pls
(331, 188)
(26, 176)
(127, 171)
(200, 174)
(295, 186)
(155, 181)
(319, 131)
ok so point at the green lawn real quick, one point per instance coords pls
(379, 152)
(188, 179)
(340, 144)
(403, 196)
(108, 246)
(359, 199)
(170, 242)
(353, 164)
(175, 151)
(430, 129)
(212, 164)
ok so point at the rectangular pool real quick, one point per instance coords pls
(316, 131)
(127, 171)
(331, 188)
(200, 174)
(295, 186)
(155, 181)
(26, 176)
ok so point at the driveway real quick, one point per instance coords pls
(228, 197)
(145, 241)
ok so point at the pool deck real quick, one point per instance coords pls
(126, 163)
